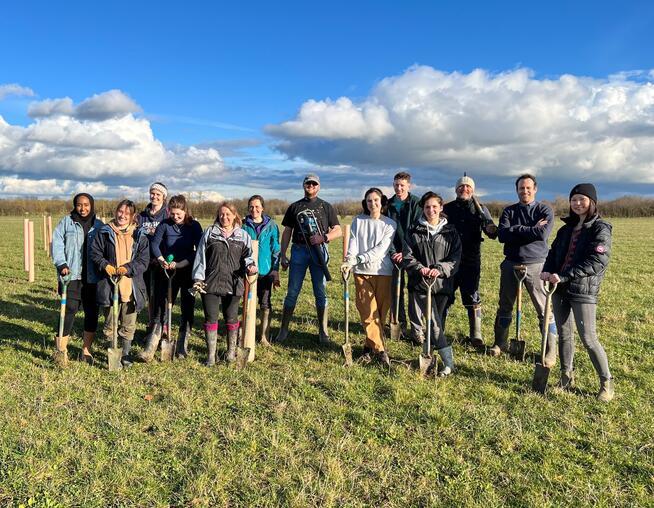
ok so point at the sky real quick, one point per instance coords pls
(221, 100)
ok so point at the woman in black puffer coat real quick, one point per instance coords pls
(577, 262)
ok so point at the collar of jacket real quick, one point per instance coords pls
(587, 224)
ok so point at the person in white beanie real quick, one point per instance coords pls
(470, 220)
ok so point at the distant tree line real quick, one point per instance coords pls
(627, 206)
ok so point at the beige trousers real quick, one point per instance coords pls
(373, 299)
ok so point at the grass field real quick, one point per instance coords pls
(298, 429)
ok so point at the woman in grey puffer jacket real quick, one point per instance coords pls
(577, 262)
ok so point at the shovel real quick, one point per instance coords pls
(168, 345)
(425, 359)
(396, 329)
(60, 355)
(347, 347)
(517, 346)
(242, 352)
(113, 353)
(542, 373)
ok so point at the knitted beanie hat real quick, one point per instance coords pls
(465, 180)
(585, 189)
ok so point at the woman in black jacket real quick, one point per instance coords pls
(121, 249)
(223, 258)
(577, 262)
(432, 249)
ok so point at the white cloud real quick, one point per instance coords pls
(15, 89)
(489, 124)
(100, 140)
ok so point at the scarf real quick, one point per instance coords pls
(124, 246)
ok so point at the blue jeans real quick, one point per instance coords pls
(301, 259)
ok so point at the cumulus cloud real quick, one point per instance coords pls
(487, 123)
(15, 89)
(98, 140)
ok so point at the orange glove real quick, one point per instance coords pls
(111, 270)
(121, 271)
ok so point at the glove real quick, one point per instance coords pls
(345, 269)
(111, 270)
(122, 270)
(199, 287)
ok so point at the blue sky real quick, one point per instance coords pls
(233, 99)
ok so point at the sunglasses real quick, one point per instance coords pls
(311, 184)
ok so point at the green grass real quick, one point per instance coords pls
(298, 429)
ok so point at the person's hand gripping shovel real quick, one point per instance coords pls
(114, 354)
(542, 372)
(167, 344)
(517, 346)
(425, 359)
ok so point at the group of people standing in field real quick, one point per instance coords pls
(419, 242)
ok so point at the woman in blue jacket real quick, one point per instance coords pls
(178, 235)
(262, 227)
(577, 262)
(121, 248)
(70, 245)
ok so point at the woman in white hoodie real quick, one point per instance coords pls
(371, 236)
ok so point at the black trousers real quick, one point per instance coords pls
(213, 304)
(80, 295)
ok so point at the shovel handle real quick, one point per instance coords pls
(549, 291)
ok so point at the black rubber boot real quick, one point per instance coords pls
(474, 321)
(287, 314)
(232, 338)
(151, 344)
(182, 341)
(501, 338)
(211, 337)
(323, 321)
(125, 359)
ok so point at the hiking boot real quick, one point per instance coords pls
(383, 358)
(151, 344)
(265, 327)
(447, 356)
(232, 338)
(606, 392)
(323, 320)
(287, 314)
(125, 360)
(182, 341)
(567, 381)
(211, 337)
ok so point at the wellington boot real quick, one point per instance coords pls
(87, 342)
(287, 314)
(550, 353)
(265, 327)
(182, 340)
(126, 360)
(151, 344)
(60, 356)
(323, 320)
(501, 338)
(447, 356)
(211, 337)
(607, 391)
(232, 338)
(567, 381)
(474, 322)
(383, 358)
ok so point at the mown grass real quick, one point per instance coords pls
(297, 429)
